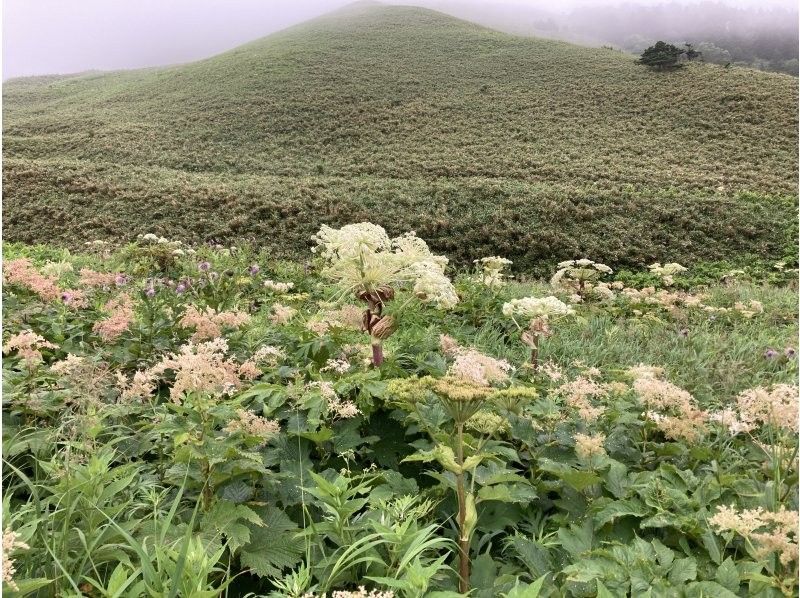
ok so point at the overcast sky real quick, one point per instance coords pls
(66, 36)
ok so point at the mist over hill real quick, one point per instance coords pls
(758, 35)
(481, 141)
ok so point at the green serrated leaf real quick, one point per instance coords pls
(712, 546)
(274, 546)
(683, 570)
(237, 492)
(727, 575)
(707, 589)
(620, 508)
(580, 480)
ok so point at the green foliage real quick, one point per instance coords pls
(661, 56)
(111, 494)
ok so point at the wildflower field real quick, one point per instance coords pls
(371, 421)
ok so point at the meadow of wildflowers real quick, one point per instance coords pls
(372, 422)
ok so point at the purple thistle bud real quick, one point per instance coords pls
(150, 292)
(180, 289)
(254, 269)
(204, 266)
(770, 354)
(66, 297)
(121, 280)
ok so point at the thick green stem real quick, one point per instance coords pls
(208, 491)
(463, 540)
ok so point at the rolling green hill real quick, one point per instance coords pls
(482, 142)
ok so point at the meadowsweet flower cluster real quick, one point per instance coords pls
(11, 543)
(492, 271)
(338, 365)
(264, 356)
(589, 445)
(777, 535)
(749, 309)
(472, 366)
(254, 425)
(281, 314)
(139, 389)
(87, 379)
(208, 324)
(346, 317)
(121, 316)
(553, 371)
(28, 346)
(673, 409)
(21, 272)
(201, 368)
(757, 407)
(578, 395)
(104, 280)
(338, 408)
(776, 407)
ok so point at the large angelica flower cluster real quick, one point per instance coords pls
(363, 259)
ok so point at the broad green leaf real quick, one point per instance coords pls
(527, 590)
(483, 574)
(708, 589)
(620, 508)
(274, 546)
(727, 575)
(683, 570)
(712, 546)
(602, 591)
(576, 540)
(580, 480)
(237, 492)
(318, 437)
(617, 479)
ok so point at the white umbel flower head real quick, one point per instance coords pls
(670, 269)
(537, 307)
(579, 270)
(350, 240)
(492, 270)
(363, 259)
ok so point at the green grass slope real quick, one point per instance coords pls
(482, 142)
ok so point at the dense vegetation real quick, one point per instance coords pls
(480, 141)
(194, 421)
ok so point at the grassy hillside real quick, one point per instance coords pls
(482, 142)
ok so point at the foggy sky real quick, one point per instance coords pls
(66, 36)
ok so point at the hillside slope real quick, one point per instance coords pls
(482, 142)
